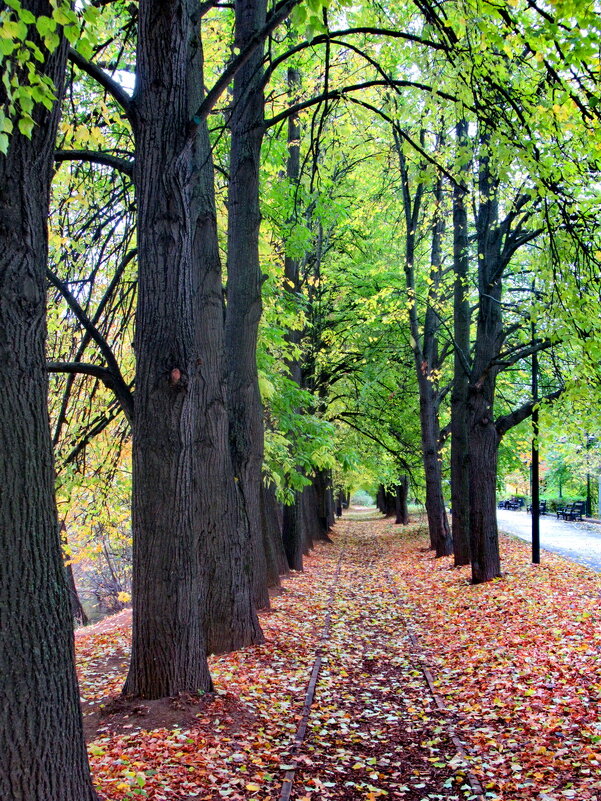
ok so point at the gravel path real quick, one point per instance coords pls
(580, 542)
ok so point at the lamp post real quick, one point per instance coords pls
(590, 438)
(534, 488)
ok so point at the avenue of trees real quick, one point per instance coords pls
(251, 252)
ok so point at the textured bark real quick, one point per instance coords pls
(41, 737)
(438, 525)
(483, 436)
(185, 514)
(461, 331)
(484, 444)
(275, 554)
(324, 504)
(317, 509)
(244, 280)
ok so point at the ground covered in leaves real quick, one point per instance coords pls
(514, 670)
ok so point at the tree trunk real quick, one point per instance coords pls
(292, 534)
(461, 331)
(484, 443)
(438, 525)
(41, 737)
(184, 507)
(324, 504)
(402, 491)
(483, 437)
(426, 355)
(77, 611)
(244, 280)
(275, 554)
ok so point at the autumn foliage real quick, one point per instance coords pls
(515, 662)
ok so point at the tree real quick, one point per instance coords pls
(424, 343)
(43, 750)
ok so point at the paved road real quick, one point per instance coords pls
(580, 542)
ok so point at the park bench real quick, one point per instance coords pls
(542, 508)
(514, 503)
(573, 511)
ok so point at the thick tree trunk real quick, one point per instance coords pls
(244, 280)
(324, 504)
(41, 737)
(483, 437)
(184, 506)
(484, 443)
(461, 366)
(169, 643)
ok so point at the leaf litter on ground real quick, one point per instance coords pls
(517, 662)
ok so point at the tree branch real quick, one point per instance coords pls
(96, 157)
(514, 355)
(277, 16)
(325, 37)
(100, 76)
(508, 421)
(97, 427)
(337, 94)
(121, 391)
(120, 388)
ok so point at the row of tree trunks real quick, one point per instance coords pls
(393, 502)
(272, 523)
(41, 736)
(309, 519)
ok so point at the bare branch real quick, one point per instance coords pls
(96, 157)
(100, 76)
(508, 421)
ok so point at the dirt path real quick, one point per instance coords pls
(375, 730)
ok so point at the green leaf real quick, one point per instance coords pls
(6, 46)
(45, 26)
(26, 126)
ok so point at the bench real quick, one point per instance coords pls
(542, 508)
(511, 503)
(515, 503)
(574, 511)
